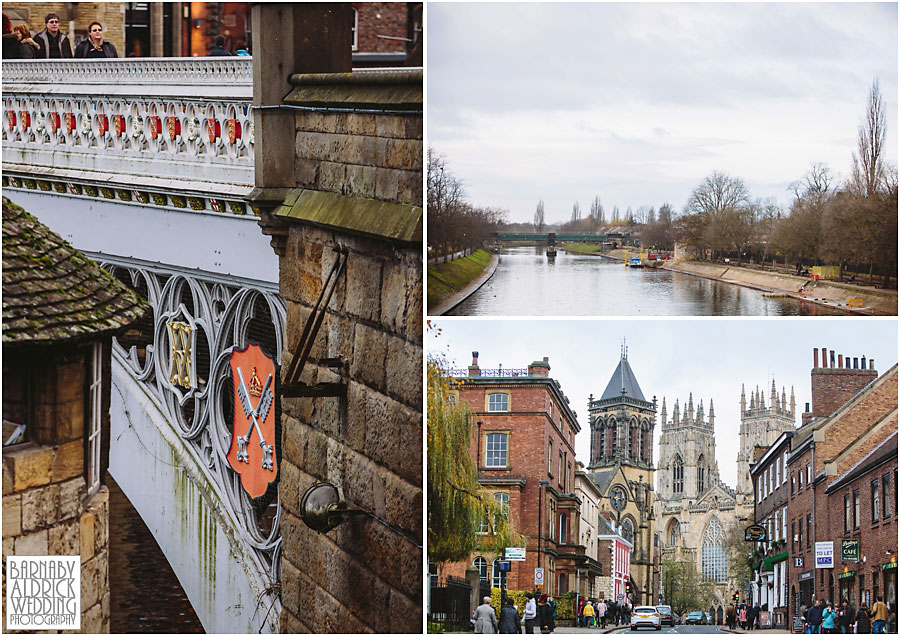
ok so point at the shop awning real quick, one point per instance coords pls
(768, 564)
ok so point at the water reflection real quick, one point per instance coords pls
(527, 283)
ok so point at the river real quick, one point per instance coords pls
(527, 283)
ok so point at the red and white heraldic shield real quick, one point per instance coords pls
(253, 444)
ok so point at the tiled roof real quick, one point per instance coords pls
(623, 382)
(53, 293)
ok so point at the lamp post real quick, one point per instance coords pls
(541, 485)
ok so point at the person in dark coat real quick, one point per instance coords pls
(29, 48)
(863, 620)
(52, 43)
(545, 615)
(509, 618)
(220, 47)
(94, 45)
(11, 45)
(752, 615)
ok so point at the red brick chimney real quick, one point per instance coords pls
(540, 367)
(835, 382)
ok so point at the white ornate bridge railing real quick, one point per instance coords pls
(160, 124)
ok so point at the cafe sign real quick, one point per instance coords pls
(755, 532)
(889, 566)
(850, 550)
(846, 575)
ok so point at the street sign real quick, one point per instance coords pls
(621, 597)
(514, 554)
(755, 532)
(824, 554)
(538, 576)
(850, 550)
(503, 566)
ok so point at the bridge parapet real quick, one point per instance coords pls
(161, 124)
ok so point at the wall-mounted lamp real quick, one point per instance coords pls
(323, 507)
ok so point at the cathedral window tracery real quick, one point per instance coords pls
(678, 475)
(700, 476)
(714, 558)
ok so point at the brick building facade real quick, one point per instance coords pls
(824, 450)
(524, 450)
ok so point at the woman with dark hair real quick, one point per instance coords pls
(509, 618)
(94, 45)
(863, 620)
(240, 48)
(29, 48)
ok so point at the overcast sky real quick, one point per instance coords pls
(670, 358)
(637, 103)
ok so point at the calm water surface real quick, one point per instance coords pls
(527, 283)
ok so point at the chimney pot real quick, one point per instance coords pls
(855, 363)
(863, 363)
(840, 361)
(832, 358)
(815, 358)
(807, 407)
(871, 364)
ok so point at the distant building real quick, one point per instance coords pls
(60, 312)
(591, 575)
(524, 446)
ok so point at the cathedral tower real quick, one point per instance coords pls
(687, 453)
(761, 425)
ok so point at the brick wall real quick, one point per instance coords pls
(360, 155)
(44, 511)
(381, 18)
(110, 14)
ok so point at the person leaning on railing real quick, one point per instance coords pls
(94, 45)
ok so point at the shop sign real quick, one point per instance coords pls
(889, 566)
(806, 576)
(765, 619)
(798, 562)
(850, 550)
(755, 532)
(824, 554)
(846, 575)
(797, 626)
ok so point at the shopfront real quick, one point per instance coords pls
(889, 573)
(807, 583)
(846, 583)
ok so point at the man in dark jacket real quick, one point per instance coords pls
(220, 47)
(52, 44)
(814, 617)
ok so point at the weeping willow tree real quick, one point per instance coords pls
(459, 509)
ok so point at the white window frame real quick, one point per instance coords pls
(492, 405)
(354, 30)
(96, 420)
(759, 489)
(489, 460)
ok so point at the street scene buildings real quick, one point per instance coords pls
(650, 519)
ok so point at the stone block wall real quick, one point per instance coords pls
(45, 509)
(362, 576)
(110, 14)
(364, 155)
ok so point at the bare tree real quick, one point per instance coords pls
(719, 203)
(539, 216)
(597, 211)
(576, 212)
(868, 167)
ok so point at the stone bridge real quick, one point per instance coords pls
(144, 164)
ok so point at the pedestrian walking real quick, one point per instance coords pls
(485, 618)
(530, 614)
(602, 610)
(219, 49)
(829, 616)
(863, 620)
(742, 616)
(94, 46)
(589, 614)
(879, 616)
(509, 618)
(545, 615)
(754, 615)
(52, 43)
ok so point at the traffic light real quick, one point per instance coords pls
(628, 587)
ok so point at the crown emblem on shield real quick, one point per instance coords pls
(254, 448)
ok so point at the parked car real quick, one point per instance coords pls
(666, 617)
(696, 618)
(644, 616)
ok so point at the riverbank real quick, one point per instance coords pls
(451, 283)
(833, 294)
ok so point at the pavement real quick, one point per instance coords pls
(452, 301)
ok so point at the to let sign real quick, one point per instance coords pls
(850, 550)
(824, 554)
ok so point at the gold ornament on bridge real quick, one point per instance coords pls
(181, 354)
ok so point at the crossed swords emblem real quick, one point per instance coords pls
(255, 416)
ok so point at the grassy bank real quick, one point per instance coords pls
(445, 279)
(581, 248)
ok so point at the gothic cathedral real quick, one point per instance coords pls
(695, 510)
